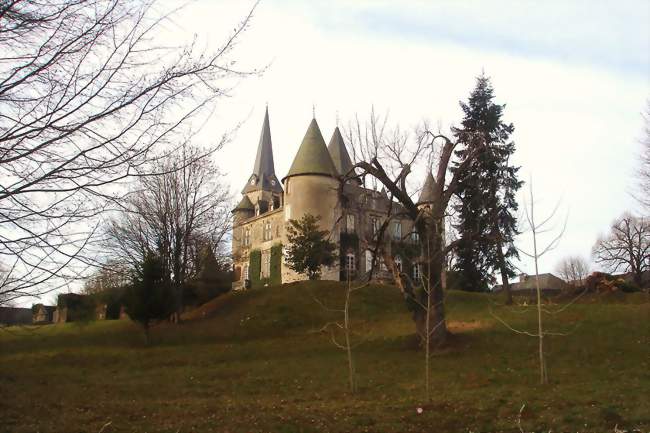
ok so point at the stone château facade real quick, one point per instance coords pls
(353, 214)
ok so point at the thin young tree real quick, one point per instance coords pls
(345, 326)
(538, 251)
(642, 194)
(487, 204)
(89, 98)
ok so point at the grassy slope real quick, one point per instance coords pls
(255, 362)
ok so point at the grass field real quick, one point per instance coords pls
(255, 362)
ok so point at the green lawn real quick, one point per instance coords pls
(255, 362)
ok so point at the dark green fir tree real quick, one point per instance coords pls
(487, 206)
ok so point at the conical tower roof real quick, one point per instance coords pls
(312, 156)
(244, 204)
(339, 153)
(263, 176)
(427, 193)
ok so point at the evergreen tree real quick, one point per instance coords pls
(309, 248)
(150, 296)
(487, 222)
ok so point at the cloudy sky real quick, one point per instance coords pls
(575, 76)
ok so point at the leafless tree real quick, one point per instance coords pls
(345, 327)
(89, 99)
(642, 194)
(626, 247)
(176, 214)
(536, 228)
(573, 270)
(389, 155)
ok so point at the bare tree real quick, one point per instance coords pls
(643, 172)
(536, 228)
(88, 100)
(176, 215)
(573, 270)
(626, 247)
(389, 156)
(344, 326)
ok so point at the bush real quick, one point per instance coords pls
(149, 297)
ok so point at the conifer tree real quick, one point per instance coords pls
(149, 297)
(309, 248)
(487, 222)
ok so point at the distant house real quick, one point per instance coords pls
(549, 284)
(42, 314)
(15, 316)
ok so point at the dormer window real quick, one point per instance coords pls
(253, 180)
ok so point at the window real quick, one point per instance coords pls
(368, 260)
(265, 271)
(415, 237)
(398, 263)
(350, 223)
(349, 262)
(247, 236)
(245, 273)
(272, 205)
(416, 273)
(397, 230)
(287, 212)
(267, 234)
(374, 223)
(257, 209)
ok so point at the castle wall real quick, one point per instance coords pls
(256, 226)
(316, 195)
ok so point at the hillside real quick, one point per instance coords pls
(257, 362)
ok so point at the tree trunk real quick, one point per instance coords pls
(433, 327)
(504, 274)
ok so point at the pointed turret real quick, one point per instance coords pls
(312, 157)
(427, 193)
(340, 155)
(263, 177)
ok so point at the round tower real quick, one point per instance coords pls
(311, 187)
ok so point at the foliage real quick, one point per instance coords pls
(255, 268)
(80, 308)
(601, 282)
(487, 205)
(213, 279)
(309, 248)
(149, 297)
(276, 265)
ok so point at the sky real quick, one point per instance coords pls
(574, 75)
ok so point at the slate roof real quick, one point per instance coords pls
(244, 204)
(427, 193)
(312, 156)
(263, 176)
(339, 153)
